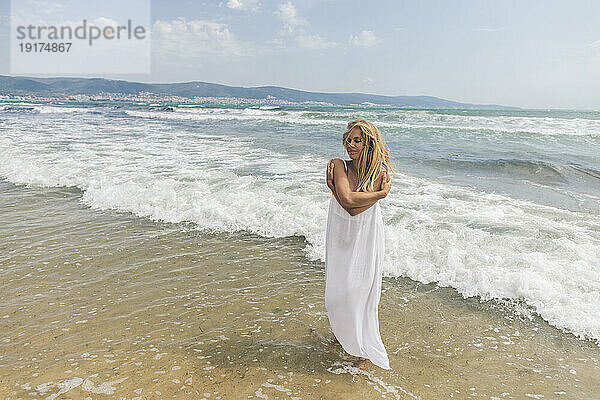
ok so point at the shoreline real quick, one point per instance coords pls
(106, 302)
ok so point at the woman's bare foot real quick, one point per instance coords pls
(362, 363)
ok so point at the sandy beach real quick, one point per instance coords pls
(179, 216)
(100, 304)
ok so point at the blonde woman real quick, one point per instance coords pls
(355, 242)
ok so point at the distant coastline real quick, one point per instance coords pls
(100, 89)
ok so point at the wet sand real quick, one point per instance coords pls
(102, 304)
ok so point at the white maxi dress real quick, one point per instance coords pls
(354, 251)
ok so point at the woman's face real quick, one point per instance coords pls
(354, 143)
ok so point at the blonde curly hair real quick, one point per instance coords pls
(375, 155)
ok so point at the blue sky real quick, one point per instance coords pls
(537, 54)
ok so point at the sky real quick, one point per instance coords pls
(531, 54)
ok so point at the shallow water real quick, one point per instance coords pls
(100, 302)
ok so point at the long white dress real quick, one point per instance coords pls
(354, 248)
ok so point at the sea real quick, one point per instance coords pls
(116, 215)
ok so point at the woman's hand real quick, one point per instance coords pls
(386, 184)
(329, 174)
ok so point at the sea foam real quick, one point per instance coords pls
(482, 244)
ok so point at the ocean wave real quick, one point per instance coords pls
(482, 244)
(247, 114)
(393, 121)
(43, 109)
(497, 247)
(17, 109)
(538, 170)
(586, 171)
(533, 170)
(400, 120)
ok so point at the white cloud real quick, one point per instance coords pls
(364, 39)
(103, 21)
(288, 13)
(243, 5)
(294, 25)
(314, 42)
(187, 39)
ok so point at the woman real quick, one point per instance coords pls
(355, 242)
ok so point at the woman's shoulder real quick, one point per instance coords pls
(339, 161)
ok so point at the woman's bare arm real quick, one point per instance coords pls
(357, 210)
(346, 197)
(331, 185)
(378, 184)
(376, 187)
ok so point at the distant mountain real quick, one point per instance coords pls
(23, 86)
